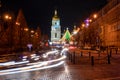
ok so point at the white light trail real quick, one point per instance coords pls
(13, 63)
(55, 60)
(4, 72)
(33, 66)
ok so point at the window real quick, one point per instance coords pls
(55, 35)
(55, 23)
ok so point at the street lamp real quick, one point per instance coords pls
(26, 29)
(95, 16)
(32, 31)
(83, 25)
(8, 23)
(17, 23)
(7, 17)
(20, 35)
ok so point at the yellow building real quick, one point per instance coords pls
(108, 24)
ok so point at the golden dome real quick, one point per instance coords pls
(55, 17)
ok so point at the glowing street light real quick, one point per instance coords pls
(75, 32)
(26, 29)
(83, 25)
(7, 17)
(17, 23)
(90, 20)
(95, 16)
(32, 31)
(10, 17)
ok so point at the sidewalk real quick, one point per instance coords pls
(101, 70)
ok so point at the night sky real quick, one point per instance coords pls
(40, 12)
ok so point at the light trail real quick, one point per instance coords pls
(33, 66)
(4, 72)
(23, 62)
(55, 60)
(13, 63)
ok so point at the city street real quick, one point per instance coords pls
(60, 40)
(76, 72)
(70, 71)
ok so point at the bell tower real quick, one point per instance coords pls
(55, 28)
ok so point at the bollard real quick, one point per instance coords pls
(81, 54)
(99, 54)
(116, 50)
(89, 54)
(110, 52)
(68, 55)
(74, 58)
(107, 50)
(108, 59)
(92, 60)
(71, 57)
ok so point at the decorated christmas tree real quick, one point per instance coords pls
(66, 37)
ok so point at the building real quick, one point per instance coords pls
(55, 28)
(109, 23)
(105, 29)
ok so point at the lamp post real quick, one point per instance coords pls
(94, 30)
(26, 37)
(20, 35)
(8, 23)
(95, 16)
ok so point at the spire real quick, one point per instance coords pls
(55, 12)
(55, 17)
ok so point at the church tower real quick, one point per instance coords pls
(55, 28)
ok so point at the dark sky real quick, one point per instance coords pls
(40, 12)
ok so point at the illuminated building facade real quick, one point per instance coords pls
(107, 25)
(55, 28)
(110, 24)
